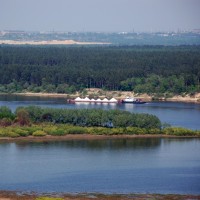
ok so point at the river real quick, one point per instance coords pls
(140, 165)
(175, 113)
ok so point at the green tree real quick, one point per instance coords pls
(6, 112)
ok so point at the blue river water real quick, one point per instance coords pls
(140, 165)
(175, 113)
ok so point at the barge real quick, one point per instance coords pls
(133, 100)
(105, 100)
(88, 100)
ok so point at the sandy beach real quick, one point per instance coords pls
(50, 42)
(11, 195)
(118, 95)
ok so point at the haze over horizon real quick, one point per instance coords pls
(100, 15)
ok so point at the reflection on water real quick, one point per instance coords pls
(149, 165)
(105, 106)
(110, 144)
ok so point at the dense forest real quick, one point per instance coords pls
(61, 69)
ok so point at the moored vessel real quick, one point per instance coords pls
(88, 100)
(133, 100)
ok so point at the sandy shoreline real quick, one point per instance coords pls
(12, 195)
(118, 95)
(50, 42)
(40, 94)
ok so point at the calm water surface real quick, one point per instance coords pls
(177, 114)
(106, 166)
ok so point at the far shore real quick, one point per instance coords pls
(88, 137)
(50, 42)
(118, 95)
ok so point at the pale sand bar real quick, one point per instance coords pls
(51, 42)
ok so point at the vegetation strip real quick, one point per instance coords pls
(38, 122)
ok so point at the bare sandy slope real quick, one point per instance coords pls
(99, 93)
(186, 98)
(50, 42)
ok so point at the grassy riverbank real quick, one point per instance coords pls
(8, 195)
(67, 132)
(39, 122)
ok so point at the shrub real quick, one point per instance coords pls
(100, 131)
(2, 133)
(178, 131)
(5, 122)
(135, 131)
(197, 132)
(32, 129)
(48, 198)
(8, 132)
(56, 129)
(117, 131)
(50, 129)
(39, 133)
(21, 132)
(11, 134)
(153, 131)
(76, 130)
(57, 132)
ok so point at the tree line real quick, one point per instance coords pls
(174, 84)
(79, 117)
(37, 121)
(68, 69)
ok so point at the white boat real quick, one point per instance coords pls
(133, 100)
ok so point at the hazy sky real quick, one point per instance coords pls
(99, 15)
